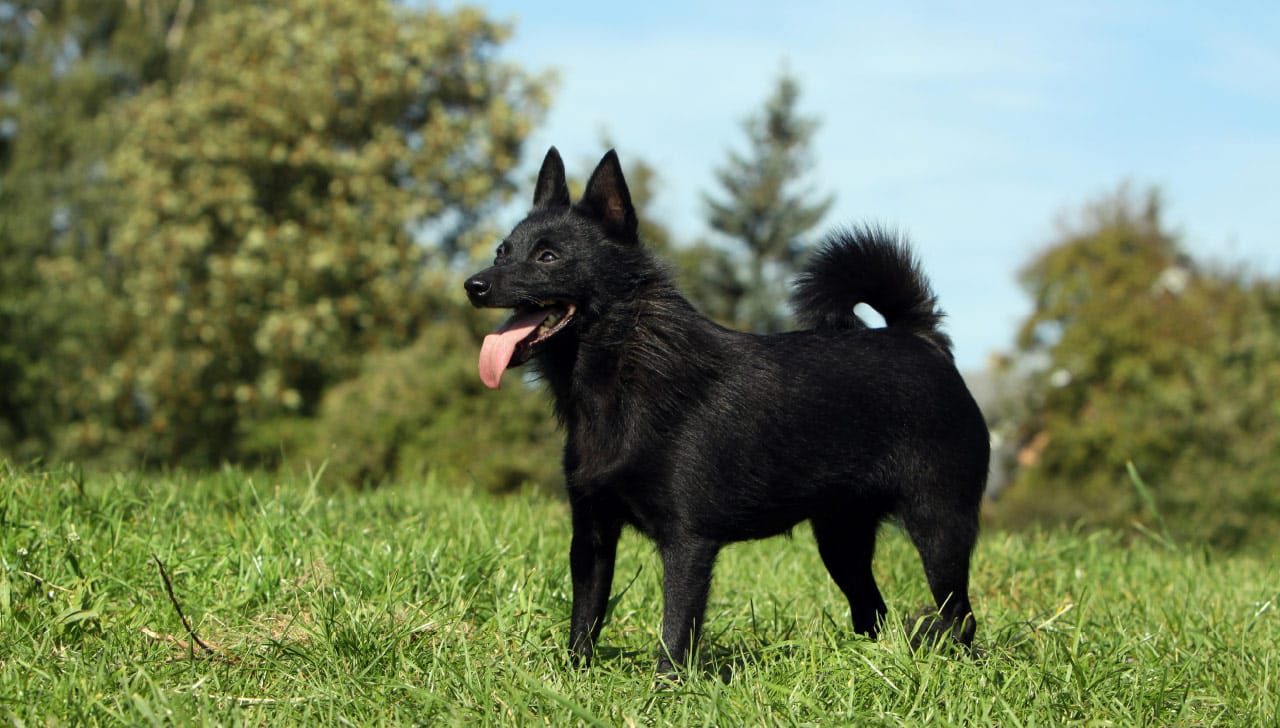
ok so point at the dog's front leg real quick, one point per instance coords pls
(596, 528)
(687, 564)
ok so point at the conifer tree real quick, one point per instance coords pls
(766, 210)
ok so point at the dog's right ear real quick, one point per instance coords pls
(551, 190)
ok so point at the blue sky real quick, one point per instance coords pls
(973, 127)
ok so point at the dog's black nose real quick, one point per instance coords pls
(477, 287)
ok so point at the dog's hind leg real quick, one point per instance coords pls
(592, 553)
(847, 545)
(945, 540)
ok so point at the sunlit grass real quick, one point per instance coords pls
(425, 603)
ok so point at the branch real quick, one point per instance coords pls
(168, 587)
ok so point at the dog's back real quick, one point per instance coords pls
(769, 430)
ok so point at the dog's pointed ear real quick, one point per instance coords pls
(551, 190)
(608, 199)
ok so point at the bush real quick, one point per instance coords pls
(423, 408)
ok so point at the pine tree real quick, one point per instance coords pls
(766, 211)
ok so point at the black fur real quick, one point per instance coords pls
(699, 436)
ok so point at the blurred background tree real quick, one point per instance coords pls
(275, 197)
(63, 64)
(211, 212)
(1136, 353)
(766, 210)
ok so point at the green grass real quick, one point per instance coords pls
(422, 603)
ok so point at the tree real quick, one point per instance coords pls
(1139, 354)
(766, 211)
(273, 198)
(63, 64)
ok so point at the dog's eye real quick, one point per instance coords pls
(547, 256)
(503, 250)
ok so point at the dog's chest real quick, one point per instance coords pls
(636, 483)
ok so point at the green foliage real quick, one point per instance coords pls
(272, 200)
(763, 212)
(425, 603)
(423, 408)
(1141, 355)
(62, 66)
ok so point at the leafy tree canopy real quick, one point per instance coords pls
(272, 191)
(63, 64)
(1140, 354)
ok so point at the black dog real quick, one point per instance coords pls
(699, 436)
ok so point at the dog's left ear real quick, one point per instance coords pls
(608, 199)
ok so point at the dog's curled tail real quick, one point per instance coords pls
(872, 266)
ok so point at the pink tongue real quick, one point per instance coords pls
(498, 347)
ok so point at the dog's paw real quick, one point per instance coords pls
(580, 656)
(932, 631)
(667, 676)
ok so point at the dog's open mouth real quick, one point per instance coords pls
(515, 340)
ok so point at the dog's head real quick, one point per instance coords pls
(558, 265)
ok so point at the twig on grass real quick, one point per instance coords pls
(207, 649)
